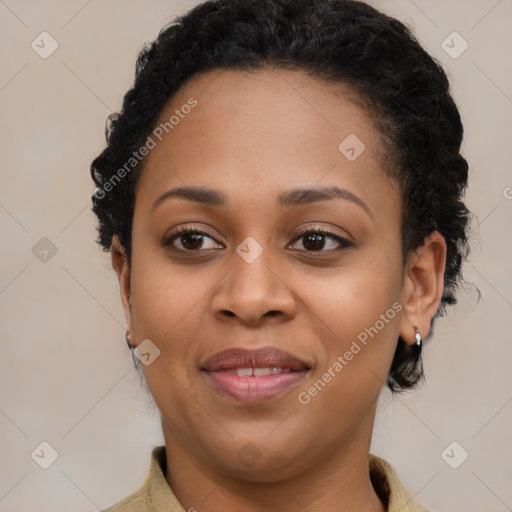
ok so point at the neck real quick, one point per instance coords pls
(339, 482)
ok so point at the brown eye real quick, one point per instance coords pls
(191, 239)
(315, 241)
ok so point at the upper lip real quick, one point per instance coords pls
(266, 357)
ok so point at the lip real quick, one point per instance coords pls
(265, 357)
(220, 370)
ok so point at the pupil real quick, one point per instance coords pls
(318, 242)
(195, 237)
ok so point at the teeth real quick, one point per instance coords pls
(258, 372)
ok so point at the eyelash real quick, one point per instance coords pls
(320, 231)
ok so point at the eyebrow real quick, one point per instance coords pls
(294, 197)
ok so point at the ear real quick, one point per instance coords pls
(121, 266)
(423, 287)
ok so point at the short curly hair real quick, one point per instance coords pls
(344, 42)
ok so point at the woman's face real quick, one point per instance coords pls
(276, 155)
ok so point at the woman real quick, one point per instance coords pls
(282, 199)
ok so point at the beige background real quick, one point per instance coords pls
(66, 376)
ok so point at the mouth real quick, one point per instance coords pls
(252, 376)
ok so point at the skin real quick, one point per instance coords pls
(252, 136)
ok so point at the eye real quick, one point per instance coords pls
(190, 238)
(314, 241)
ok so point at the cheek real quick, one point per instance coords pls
(356, 296)
(356, 363)
(166, 308)
(163, 294)
(361, 308)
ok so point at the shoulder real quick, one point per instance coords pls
(136, 502)
(155, 494)
(390, 488)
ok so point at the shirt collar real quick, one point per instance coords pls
(156, 495)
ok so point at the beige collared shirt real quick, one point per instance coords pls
(155, 495)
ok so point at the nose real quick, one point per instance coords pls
(251, 292)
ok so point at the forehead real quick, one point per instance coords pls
(265, 129)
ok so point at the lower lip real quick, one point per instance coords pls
(255, 389)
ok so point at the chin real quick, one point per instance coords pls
(259, 461)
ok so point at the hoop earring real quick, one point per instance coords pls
(128, 337)
(419, 341)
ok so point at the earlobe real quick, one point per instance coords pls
(423, 287)
(121, 266)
